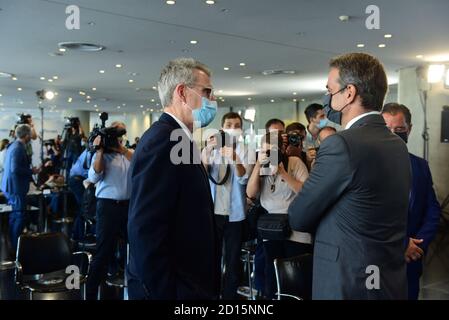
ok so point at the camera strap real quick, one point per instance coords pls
(223, 180)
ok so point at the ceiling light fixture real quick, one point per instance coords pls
(226, 68)
(388, 36)
(14, 78)
(101, 71)
(242, 64)
(19, 89)
(193, 41)
(69, 100)
(130, 80)
(382, 45)
(42, 78)
(94, 89)
(118, 65)
(360, 45)
(210, 2)
(170, 2)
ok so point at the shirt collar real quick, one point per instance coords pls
(182, 125)
(350, 123)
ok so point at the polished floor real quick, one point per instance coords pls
(434, 282)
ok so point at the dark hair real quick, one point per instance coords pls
(295, 126)
(367, 74)
(394, 108)
(312, 110)
(231, 115)
(273, 121)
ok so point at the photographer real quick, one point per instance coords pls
(109, 170)
(296, 133)
(228, 168)
(276, 179)
(72, 143)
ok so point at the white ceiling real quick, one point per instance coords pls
(142, 35)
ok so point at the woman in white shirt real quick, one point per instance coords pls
(277, 186)
(3, 146)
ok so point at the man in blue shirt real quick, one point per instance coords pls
(109, 171)
(79, 173)
(16, 180)
(228, 167)
(424, 209)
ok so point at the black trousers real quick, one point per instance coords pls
(280, 249)
(112, 221)
(231, 234)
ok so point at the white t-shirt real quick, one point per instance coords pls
(276, 195)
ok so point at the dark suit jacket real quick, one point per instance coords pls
(355, 201)
(171, 230)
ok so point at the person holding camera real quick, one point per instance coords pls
(226, 160)
(16, 180)
(296, 133)
(72, 143)
(109, 170)
(276, 179)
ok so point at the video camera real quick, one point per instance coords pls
(24, 118)
(49, 142)
(109, 135)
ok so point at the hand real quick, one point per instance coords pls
(311, 154)
(293, 151)
(97, 142)
(211, 143)
(36, 170)
(228, 153)
(414, 252)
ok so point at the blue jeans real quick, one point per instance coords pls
(77, 188)
(17, 218)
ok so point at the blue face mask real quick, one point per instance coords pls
(206, 114)
(323, 123)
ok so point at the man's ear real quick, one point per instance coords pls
(351, 93)
(180, 90)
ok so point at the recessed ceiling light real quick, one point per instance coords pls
(388, 36)
(19, 89)
(303, 99)
(295, 93)
(226, 68)
(87, 101)
(210, 2)
(382, 45)
(141, 106)
(101, 71)
(94, 89)
(294, 100)
(249, 99)
(95, 106)
(82, 93)
(96, 110)
(360, 45)
(272, 100)
(242, 64)
(118, 107)
(193, 41)
(118, 65)
(151, 110)
(62, 49)
(152, 100)
(14, 78)
(170, 2)
(222, 100)
(154, 88)
(247, 77)
(55, 77)
(130, 80)
(419, 56)
(50, 80)
(69, 99)
(42, 78)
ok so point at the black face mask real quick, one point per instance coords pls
(403, 136)
(332, 114)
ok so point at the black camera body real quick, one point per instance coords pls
(294, 139)
(49, 142)
(72, 122)
(109, 135)
(223, 139)
(24, 118)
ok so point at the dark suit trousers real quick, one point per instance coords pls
(112, 221)
(231, 234)
(280, 249)
(414, 272)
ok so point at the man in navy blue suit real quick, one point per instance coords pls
(171, 228)
(16, 180)
(424, 209)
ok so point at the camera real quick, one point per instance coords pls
(224, 139)
(72, 122)
(24, 118)
(109, 135)
(272, 161)
(50, 142)
(294, 139)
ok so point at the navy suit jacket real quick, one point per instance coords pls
(424, 209)
(17, 172)
(171, 228)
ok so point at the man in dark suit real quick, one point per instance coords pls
(356, 197)
(424, 209)
(16, 180)
(173, 247)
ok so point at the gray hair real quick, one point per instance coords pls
(178, 71)
(22, 131)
